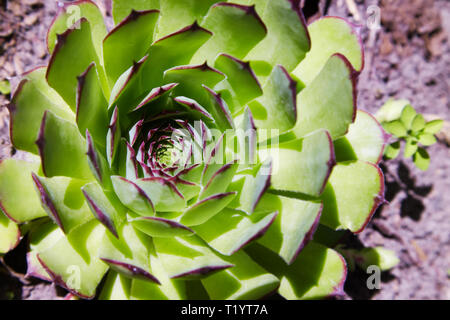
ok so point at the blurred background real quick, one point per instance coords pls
(407, 56)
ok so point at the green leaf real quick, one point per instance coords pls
(62, 148)
(287, 39)
(245, 281)
(410, 147)
(32, 97)
(354, 191)
(391, 110)
(392, 150)
(329, 101)
(176, 14)
(421, 159)
(92, 106)
(79, 273)
(9, 234)
(277, 107)
(302, 165)
(70, 14)
(122, 8)
(132, 196)
(188, 257)
(128, 42)
(383, 258)
(18, 197)
(5, 87)
(160, 227)
(434, 126)
(330, 35)
(73, 53)
(129, 253)
(396, 127)
(220, 181)
(365, 140)
(241, 85)
(293, 228)
(418, 123)
(317, 273)
(227, 21)
(407, 116)
(219, 110)
(63, 200)
(427, 139)
(233, 224)
(104, 206)
(205, 209)
(116, 287)
(164, 194)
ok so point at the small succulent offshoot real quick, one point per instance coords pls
(191, 152)
(401, 120)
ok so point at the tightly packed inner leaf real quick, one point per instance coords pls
(191, 152)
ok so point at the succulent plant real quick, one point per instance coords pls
(401, 120)
(191, 152)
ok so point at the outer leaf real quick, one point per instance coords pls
(330, 35)
(393, 150)
(128, 42)
(232, 224)
(70, 269)
(32, 97)
(62, 148)
(246, 280)
(365, 140)
(293, 228)
(287, 39)
(62, 199)
(329, 102)
(421, 159)
(427, 139)
(396, 127)
(227, 21)
(122, 8)
(116, 287)
(391, 110)
(434, 126)
(133, 196)
(9, 234)
(164, 194)
(277, 108)
(18, 198)
(317, 273)
(410, 147)
(73, 53)
(418, 123)
(354, 192)
(160, 227)
(303, 165)
(407, 116)
(188, 257)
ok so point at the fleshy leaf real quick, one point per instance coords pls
(220, 180)
(353, 193)
(68, 16)
(160, 227)
(116, 287)
(277, 108)
(245, 281)
(205, 209)
(9, 234)
(32, 97)
(219, 110)
(287, 39)
(164, 194)
(104, 206)
(128, 42)
(97, 162)
(18, 198)
(73, 53)
(177, 14)
(330, 35)
(188, 257)
(294, 227)
(92, 106)
(62, 199)
(302, 165)
(329, 101)
(421, 159)
(317, 273)
(365, 140)
(133, 196)
(62, 148)
(233, 224)
(70, 269)
(122, 8)
(227, 21)
(129, 253)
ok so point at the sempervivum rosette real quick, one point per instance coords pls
(191, 152)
